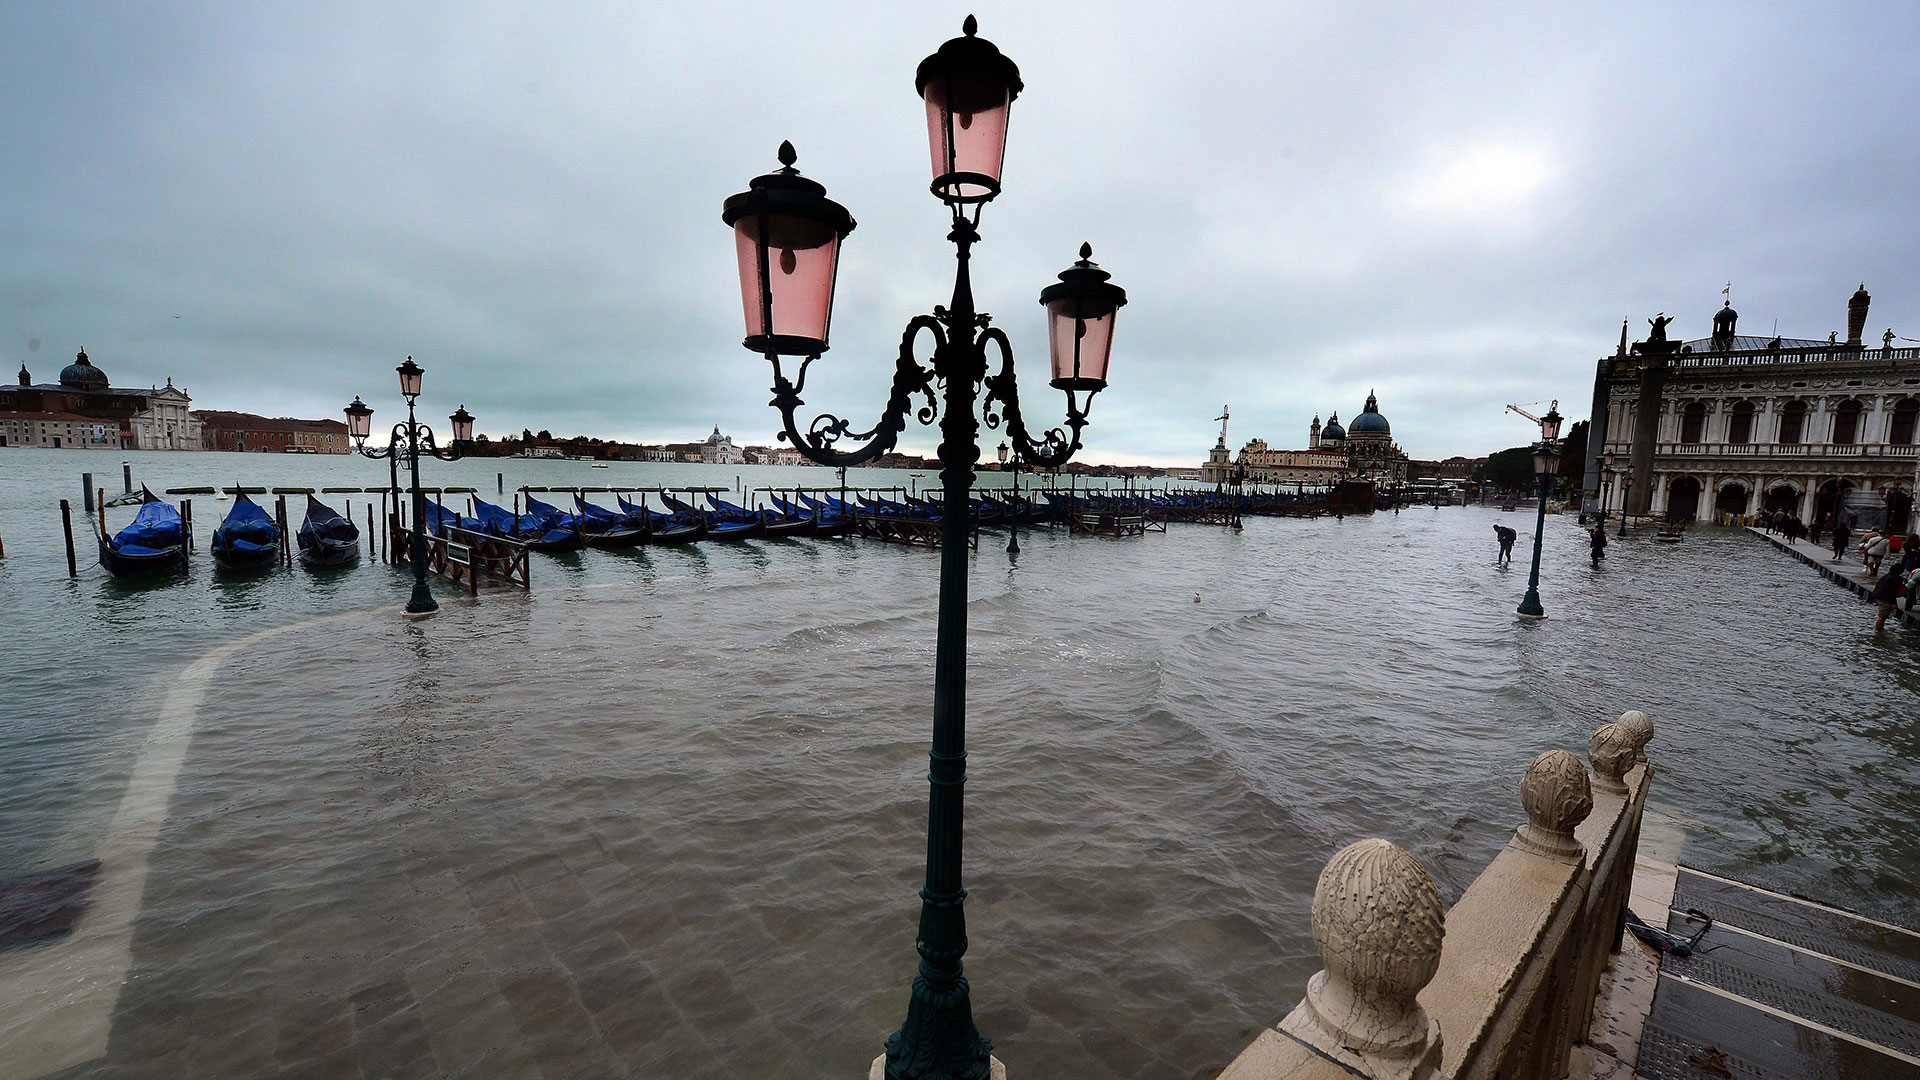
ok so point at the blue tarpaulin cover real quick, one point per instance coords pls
(248, 528)
(323, 525)
(155, 527)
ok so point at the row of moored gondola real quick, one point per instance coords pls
(158, 540)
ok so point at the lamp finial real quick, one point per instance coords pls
(787, 155)
(1086, 251)
(970, 27)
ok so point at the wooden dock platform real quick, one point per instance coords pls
(1781, 988)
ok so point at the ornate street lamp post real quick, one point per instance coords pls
(787, 236)
(1606, 493)
(1626, 490)
(1013, 508)
(409, 439)
(1546, 465)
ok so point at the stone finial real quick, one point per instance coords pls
(1612, 755)
(1639, 729)
(1378, 921)
(1557, 798)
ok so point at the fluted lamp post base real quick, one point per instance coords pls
(879, 1069)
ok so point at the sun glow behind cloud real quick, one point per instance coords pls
(1477, 182)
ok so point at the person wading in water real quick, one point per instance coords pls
(1597, 537)
(1507, 537)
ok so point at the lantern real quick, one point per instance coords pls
(968, 87)
(787, 237)
(359, 418)
(462, 425)
(1607, 474)
(1607, 459)
(1550, 423)
(1546, 460)
(1003, 451)
(410, 374)
(1080, 309)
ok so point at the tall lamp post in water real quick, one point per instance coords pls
(1546, 466)
(1013, 508)
(787, 237)
(1626, 489)
(409, 440)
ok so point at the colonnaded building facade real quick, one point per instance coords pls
(1740, 424)
(82, 411)
(1363, 450)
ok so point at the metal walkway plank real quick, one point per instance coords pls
(1696, 1033)
(1873, 945)
(1844, 998)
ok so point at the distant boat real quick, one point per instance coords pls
(326, 538)
(248, 539)
(599, 464)
(155, 543)
(298, 450)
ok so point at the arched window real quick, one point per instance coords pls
(1793, 418)
(1740, 424)
(1905, 415)
(1846, 423)
(1692, 420)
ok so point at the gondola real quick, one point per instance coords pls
(248, 539)
(827, 522)
(326, 538)
(155, 543)
(559, 531)
(730, 531)
(606, 529)
(666, 528)
(777, 523)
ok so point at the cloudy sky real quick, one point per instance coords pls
(274, 205)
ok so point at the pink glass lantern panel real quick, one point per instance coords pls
(802, 258)
(974, 141)
(1094, 337)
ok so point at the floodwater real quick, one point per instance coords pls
(664, 817)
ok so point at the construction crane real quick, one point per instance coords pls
(1554, 407)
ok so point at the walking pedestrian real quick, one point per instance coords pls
(1840, 535)
(1910, 554)
(1506, 537)
(1873, 551)
(1597, 539)
(1819, 523)
(1886, 592)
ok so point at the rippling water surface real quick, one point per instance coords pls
(666, 815)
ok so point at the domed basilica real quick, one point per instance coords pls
(1362, 450)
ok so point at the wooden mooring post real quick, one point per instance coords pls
(66, 526)
(286, 549)
(86, 492)
(186, 521)
(370, 530)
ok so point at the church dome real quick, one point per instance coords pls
(82, 375)
(1370, 421)
(1333, 432)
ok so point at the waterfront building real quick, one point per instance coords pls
(248, 433)
(156, 418)
(719, 450)
(1364, 451)
(57, 430)
(1739, 423)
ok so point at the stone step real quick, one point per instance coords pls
(1867, 943)
(1697, 1032)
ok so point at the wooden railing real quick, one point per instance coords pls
(1502, 986)
(466, 558)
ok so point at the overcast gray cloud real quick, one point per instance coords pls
(1304, 201)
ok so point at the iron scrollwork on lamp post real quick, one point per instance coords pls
(787, 239)
(409, 440)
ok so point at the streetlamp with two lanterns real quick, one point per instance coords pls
(1626, 490)
(787, 237)
(1546, 466)
(409, 440)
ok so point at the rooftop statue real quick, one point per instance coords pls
(1656, 342)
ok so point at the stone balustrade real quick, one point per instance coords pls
(1502, 986)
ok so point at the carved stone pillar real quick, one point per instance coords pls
(1557, 797)
(1378, 921)
(1646, 431)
